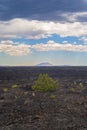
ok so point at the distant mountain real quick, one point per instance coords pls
(45, 64)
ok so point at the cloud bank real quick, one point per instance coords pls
(34, 29)
(14, 49)
(39, 9)
(53, 46)
(20, 49)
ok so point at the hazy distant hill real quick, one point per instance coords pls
(45, 64)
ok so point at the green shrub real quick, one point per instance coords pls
(5, 89)
(52, 96)
(15, 86)
(77, 87)
(72, 89)
(81, 85)
(45, 83)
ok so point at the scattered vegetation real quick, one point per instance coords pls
(72, 89)
(5, 89)
(45, 83)
(52, 96)
(81, 85)
(15, 86)
(77, 87)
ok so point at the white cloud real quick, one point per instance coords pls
(84, 40)
(53, 46)
(13, 49)
(20, 49)
(6, 36)
(73, 17)
(65, 41)
(8, 42)
(35, 29)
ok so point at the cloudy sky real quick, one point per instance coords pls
(35, 31)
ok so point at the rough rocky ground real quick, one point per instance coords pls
(24, 109)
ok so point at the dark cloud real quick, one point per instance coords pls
(40, 9)
(82, 19)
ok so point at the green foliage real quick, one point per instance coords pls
(81, 85)
(5, 89)
(72, 89)
(52, 96)
(45, 83)
(15, 86)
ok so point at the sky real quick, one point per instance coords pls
(36, 31)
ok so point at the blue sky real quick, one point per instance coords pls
(35, 31)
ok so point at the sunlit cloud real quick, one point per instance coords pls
(53, 46)
(20, 49)
(34, 29)
(84, 39)
(14, 49)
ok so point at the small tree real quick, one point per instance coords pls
(45, 83)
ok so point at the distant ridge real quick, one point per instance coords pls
(44, 64)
